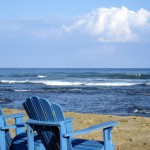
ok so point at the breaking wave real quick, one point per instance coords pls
(70, 83)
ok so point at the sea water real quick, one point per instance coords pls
(100, 91)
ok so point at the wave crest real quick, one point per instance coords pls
(69, 83)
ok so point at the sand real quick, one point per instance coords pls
(132, 132)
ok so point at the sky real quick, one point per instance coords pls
(75, 34)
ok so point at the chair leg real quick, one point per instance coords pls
(108, 145)
(2, 140)
(30, 136)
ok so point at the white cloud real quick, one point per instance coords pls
(114, 24)
(102, 25)
(74, 26)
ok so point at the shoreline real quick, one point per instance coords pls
(132, 132)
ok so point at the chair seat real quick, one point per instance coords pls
(83, 144)
(20, 142)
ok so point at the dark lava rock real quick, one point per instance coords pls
(5, 100)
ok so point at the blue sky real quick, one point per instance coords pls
(79, 33)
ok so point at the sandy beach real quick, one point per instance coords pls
(132, 132)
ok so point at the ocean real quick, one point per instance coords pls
(124, 92)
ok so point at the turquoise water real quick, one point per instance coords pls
(101, 91)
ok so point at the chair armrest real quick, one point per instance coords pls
(68, 120)
(104, 125)
(46, 123)
(12, 126)
(14, 116)
(18, 126)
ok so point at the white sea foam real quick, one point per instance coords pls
(62, 83)
(142, 111)
(41, 76)
(46, 82)
(148, 83)
(111, 84)
(135, 111)
(138, 75)
(75, 89)
(22, 90)
(14, 81)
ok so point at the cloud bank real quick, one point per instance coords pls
(107, 25)
(114, 24)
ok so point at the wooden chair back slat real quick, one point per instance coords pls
(38, 109)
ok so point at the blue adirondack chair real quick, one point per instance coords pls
(56, 131)
(19, 142)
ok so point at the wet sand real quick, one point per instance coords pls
(132, 132)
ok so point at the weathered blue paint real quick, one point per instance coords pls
(56, 132)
